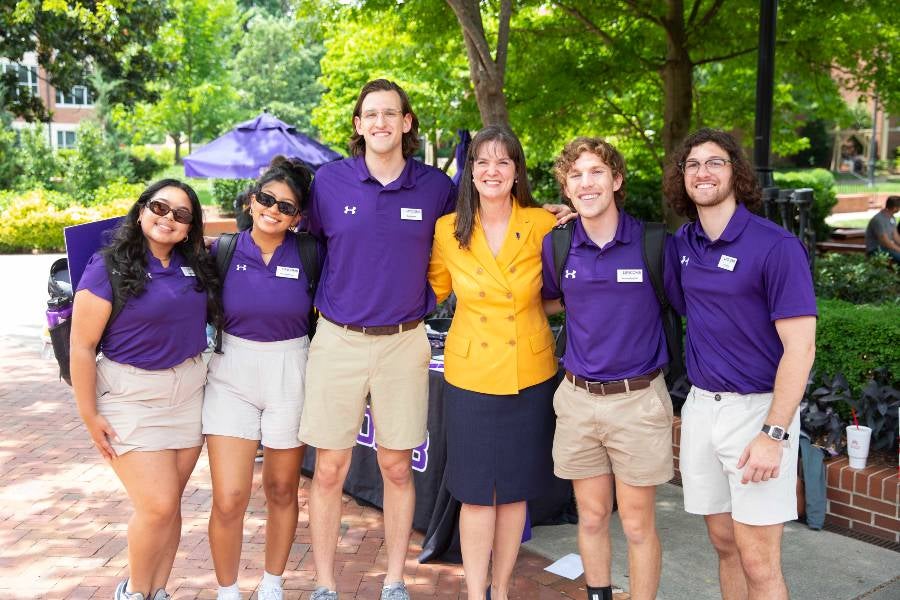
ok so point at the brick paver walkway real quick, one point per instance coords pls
(63, 516)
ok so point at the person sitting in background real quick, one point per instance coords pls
(881, 232)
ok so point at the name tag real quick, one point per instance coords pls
(411, 214)
(287, 272)
(188, 272)
(727, 262)
(629, 275)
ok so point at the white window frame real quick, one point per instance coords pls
(32, 79)
(86, 94)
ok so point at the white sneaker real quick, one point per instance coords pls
(121, 594)
(323, 593)
(229, 595)
(161, 594)
(269, 592)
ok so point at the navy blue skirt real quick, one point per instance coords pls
(499, 443)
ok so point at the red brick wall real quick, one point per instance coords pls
(867, 501)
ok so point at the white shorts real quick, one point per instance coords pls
(254, 391)
(716, 427)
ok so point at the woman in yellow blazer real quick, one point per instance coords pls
(498, 358)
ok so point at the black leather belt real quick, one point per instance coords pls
(378, 329)
(619, 386)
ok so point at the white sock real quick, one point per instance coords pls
(229, 591)
(271, 580)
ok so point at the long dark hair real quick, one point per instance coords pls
(468, 202)
(743, 181)
(127, 253)
(293, 172)
(410, 138)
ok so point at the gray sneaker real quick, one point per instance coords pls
(121, 594)
(161, 594)
(395, 591)
(323, 593)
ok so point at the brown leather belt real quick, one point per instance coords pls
(619, 386)
(378, 329)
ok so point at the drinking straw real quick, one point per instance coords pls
(855, 422)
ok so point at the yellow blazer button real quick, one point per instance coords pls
(512, 269)
(483, 319)
(484, 344)
(480, 271)
(510, 318)
(512, 342)
(509, 294)
(481, 294)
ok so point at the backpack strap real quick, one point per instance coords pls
(653, 246)
(224, 254)
(115, 281)
(561, 237)
(312, 268)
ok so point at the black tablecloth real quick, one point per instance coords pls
(436, 512)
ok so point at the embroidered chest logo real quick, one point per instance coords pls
(350, 210)
(570, 274)
(684, 261)
(240, 267)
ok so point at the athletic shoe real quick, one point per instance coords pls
(269, 592)
(395, 591)
(121, 594)
(323, 593)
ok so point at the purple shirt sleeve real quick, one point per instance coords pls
(788, 281)
(549, 289)
(672, 277)
(95, 279)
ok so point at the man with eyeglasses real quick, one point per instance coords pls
(375, 213)
(751, 324)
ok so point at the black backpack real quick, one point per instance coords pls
(309, 260)
(653, 247)
(61, 295)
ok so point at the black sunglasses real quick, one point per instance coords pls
(284, 207)
(181, 215)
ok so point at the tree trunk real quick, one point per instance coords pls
(677, 77)
(487, 72)
(190, 131)
(176, 139)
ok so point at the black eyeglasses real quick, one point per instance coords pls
(692, 167)
(181, 215)
(284, 207)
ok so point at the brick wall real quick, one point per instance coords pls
(867, 501)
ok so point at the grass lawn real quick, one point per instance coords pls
(849, 223)
(203, 187)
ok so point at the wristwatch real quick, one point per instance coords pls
(775, 432)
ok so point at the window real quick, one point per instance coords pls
(78, 96)
(65, 139)
(26, 76)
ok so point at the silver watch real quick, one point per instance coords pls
(775, 432)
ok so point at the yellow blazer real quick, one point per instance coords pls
(499, 341)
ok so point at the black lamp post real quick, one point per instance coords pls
(765, 82)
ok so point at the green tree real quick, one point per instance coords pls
(276, 68)
(109, 35)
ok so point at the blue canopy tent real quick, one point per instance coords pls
(245, 151)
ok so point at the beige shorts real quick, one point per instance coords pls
(254, 391)
(346, 366)
(628, 434)
(715, 430)
(152, 410)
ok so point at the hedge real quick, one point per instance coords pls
(34, 220)
(856, 339)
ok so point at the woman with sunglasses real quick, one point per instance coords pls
(255, 388)
(141, 399)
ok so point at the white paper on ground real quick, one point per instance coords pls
(568, 566)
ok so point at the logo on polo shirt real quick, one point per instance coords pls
(350, 209)
(684, 261)
(570, 274)
(240, 268)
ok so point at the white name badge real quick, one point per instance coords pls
(287, 272)
(629, 275)
(727, 262)
(188, 272)
(411, 214)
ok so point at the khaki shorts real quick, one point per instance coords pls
(254, 391)
(152, 410)
(627, 434)
(345, 366)
(715, 429)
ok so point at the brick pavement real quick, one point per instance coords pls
(63, 516)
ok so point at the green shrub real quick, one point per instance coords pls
(857, 278)
(856, 340)
(38, 164)
(33, 221)
(224, 191)
(822, 183)
(95, 162)
(147, 162)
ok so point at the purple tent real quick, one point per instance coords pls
(246, 150)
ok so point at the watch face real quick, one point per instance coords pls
(777, 433)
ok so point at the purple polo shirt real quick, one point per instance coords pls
(265, 303)
(613, 325)
(163, 326)
(735, 288)
(378, 240)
